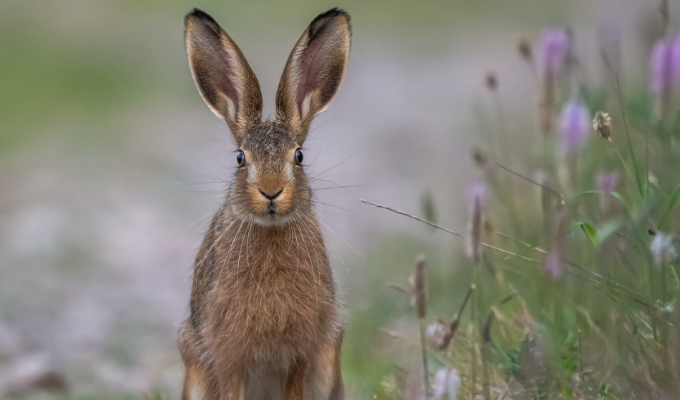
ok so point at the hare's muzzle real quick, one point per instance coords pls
(270, 196)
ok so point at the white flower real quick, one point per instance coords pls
(664, 248)
(439, 335)
(446, 382)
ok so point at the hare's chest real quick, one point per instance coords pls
(275, 299)
(274, 314)
(281, 282)
(272, 297)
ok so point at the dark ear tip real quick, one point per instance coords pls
(198, 14)
(332, 13)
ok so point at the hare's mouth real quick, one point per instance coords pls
(273, 217)
(271, 207)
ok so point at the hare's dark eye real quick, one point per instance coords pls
(240, 158)
(298, 156)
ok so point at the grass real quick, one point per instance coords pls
(603, 329)
(599, 321)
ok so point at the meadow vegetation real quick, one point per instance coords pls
(568, 286)
(564, 285)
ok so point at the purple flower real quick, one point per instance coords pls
(607, 181)
(661, 67)
(675, 75)
(555, 46)
(477, 193)
(574, 125)
(664, 79)
(554, 265)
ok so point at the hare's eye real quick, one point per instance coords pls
(298, 156)
(240, 158)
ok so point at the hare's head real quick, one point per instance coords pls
(270, 184)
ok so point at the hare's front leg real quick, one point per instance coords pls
(294, 382)
(198, 379)
(197, 384)
(325, 377)
(232, 385)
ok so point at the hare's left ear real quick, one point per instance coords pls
(222, 74)
(314, 71)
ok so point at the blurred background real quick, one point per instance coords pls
(111, 165)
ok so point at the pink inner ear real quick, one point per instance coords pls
(309, 66)
(226, 71)
(213, 68)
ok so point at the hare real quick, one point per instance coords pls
(264, 320)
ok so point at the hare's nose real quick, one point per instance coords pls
(270, 196)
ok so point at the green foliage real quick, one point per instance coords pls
(593, 292)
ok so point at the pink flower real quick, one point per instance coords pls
(607, 181)
(664, 72)
(555, 47)
(661, 67)
(574, 125)
(554, 265)
(477, 193)
(675, 73)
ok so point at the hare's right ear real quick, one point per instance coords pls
(222, 74)
(314, 71)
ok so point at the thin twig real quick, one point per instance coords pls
(631, 294)
(432, 224)
(530, 180)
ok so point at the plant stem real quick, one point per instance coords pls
(423, 350)
(664, 293)
(473, 342)
(630, 143)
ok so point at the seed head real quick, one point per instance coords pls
(479, 157)
(602, 123)
(524, 49)
(476, 200)
(419, 287)
(491, 81)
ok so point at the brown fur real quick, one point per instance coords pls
(264, 318)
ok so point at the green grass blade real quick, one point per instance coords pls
(636, 172)
(590, 231)
(669, 207)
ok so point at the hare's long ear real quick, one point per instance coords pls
(314, 71)
(222, 74)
